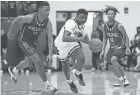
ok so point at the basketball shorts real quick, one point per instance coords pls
(27, 48)
(119, 52)
(65, 50)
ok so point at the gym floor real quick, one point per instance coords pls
(97, 83)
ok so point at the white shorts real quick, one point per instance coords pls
(66, 49)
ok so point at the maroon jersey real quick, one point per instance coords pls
(31, 31)
(113, 34)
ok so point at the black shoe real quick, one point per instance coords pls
(73, 87)
(80, 79)
(13, 75)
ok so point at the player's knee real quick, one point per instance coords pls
(35, 58)
(114, 60)
(81, 58)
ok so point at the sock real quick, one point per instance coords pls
(74, 70)
(48, 85)
(78, 72)
(124, 77)
(121, 78)
(69, 81)
(15, 71)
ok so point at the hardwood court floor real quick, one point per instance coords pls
(97, 83)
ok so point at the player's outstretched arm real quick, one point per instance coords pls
(104, 39)
(17, 24)
(50, 37)
(124, 34)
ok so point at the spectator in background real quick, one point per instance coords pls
(137, 55)
(22, 8)
(4, 8)
(31, 7)
(3, 43)
(98, 33)
(131, 60)
(12, 8)
(138, 31)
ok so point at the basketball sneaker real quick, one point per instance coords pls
(73, 87)
(120, 82)
(52, 90)
(14, 75)
(126, 82)
(79, 78)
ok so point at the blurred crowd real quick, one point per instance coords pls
(13, 8)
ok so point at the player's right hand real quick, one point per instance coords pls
(85, 39)
(102, 55)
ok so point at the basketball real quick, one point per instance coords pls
(95, 45)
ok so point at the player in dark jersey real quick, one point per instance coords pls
(33, 26)
(119, 45)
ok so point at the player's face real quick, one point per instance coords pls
(45, 11)
(111, 15)
(81, 18)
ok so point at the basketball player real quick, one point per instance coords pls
(32, 26)
(67, 43)
(119, 44)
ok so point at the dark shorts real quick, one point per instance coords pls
(115, 51)
(27, 48)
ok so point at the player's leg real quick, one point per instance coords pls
(63, 55)
(79, 56)
(40, 70)
(137, 67)
(23, 64)
(120, 54)
(110, 58)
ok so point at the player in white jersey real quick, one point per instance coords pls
(67, 43)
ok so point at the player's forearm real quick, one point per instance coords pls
(50, 43)
(71, 39)
(126, 39)
(104, 44)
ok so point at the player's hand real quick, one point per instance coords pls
(102, 55)
(49, 59)
(11, 36)
(85, 39)
(128, 52)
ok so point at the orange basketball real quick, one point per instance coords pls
(95, 45)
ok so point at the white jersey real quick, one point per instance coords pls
(71, 26)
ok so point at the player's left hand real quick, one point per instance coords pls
(127, 52)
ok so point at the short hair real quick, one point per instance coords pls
(82, 11)
(108, 8)
(42, 3)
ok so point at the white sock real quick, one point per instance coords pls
(15, 70)
(69, 81)
(47, 84)
(121, 78)
(74, 70)
(124, 77)
(78, 72)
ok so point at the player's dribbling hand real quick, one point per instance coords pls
(128, 52)
(85, 39)
(102, 55)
